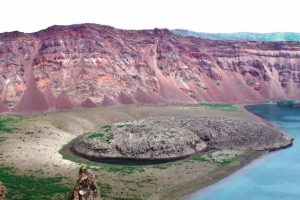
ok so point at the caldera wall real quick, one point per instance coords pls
(88, 65)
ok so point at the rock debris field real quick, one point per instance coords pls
(167, 138)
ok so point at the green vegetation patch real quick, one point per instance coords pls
(222, 107)
(7, 124)
(163, 166)
(105, 189)
(106, 128)
(103, 137)
(225, 162)
(102, 134)
(221, 161)
(117, 168)
(201, 158)
(122, 169)
(121, 125)
(285, 103)
(31, 187)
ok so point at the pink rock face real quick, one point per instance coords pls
(99, 62)
(32, 101)
(63, 102)
(50, 97)
(144, 98)
(107, 101)
(3, 108)
(125, 99)
(88, 103)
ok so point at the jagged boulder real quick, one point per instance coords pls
(86, 187)
(3, 191)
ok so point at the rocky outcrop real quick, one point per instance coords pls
(88, 103)
(107, 101)
(166, 138)
(234, 134)
(113, 66)
(32, 101)
(48, 93)
(3, 108)
(86, 187)
(3, 191)
(125, 99)
(63, 102)
(145, 98)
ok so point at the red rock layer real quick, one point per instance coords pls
(144, 98)
(125, 99)
(32, 101)
(3, 108)
(107, 101)
(63, 102)
(88, 103)
(50, 97)
(102, 62)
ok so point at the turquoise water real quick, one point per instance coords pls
(273, 176)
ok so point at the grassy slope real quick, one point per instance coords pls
(7, 124)
(32, 187)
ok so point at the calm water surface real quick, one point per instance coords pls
(273, 176)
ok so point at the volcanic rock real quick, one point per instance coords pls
(125, 99)
(92, 61)
(48, 93)
(164, 138)
(3, 191)
(63, 102)
(107, 101)
(32, 101)
(142, 97)
(88, 103)
(86, 187)
(3, 108)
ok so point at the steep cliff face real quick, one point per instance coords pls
(63, 66)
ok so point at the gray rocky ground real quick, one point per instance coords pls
(177, 137)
